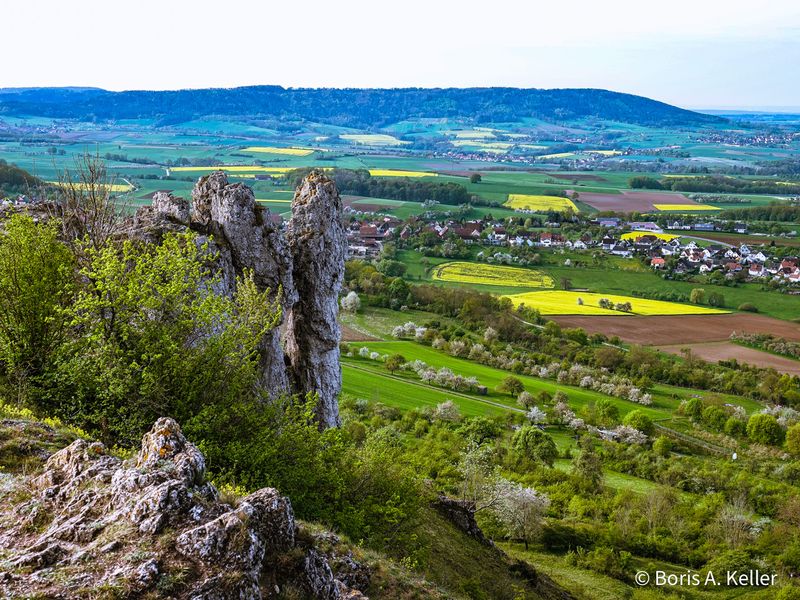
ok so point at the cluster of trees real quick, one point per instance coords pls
(361, 183)
(734, 514)
(768, 342)
(361, 108)
(772, 212)
(719, 184)
(14, 180)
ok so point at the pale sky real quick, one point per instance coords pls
(693, 53)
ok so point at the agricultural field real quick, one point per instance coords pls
(484, 274)
(110, 187)
(277, 150)
(685, 329)
(539, 203)
(400, 173)
(373, 139)
(684, 207)
(586, 303)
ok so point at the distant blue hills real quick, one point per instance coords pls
(360, 108)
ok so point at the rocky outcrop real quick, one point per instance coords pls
(462, 514)
(153, 525)
(304, 265)
(317, 243)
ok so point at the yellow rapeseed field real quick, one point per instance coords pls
(276, 150)
(557, 155)
(566, 303)
(236, 169)
(400, 173)
(632, 235)
(529, 202)
(111, 187)
(466, 272)
(684, 207)
(604, 152)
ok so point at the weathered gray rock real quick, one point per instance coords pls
(248, 241)
(167, 204)
(90, 509)
(317, 242)
(305, 266)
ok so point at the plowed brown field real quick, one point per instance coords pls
(684, 329)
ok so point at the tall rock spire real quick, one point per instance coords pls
(317, 244)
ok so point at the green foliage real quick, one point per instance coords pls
(364, 491)
(639, 420)
(530, 444)
(152, 339)
(392, 268)
(735, 427)
(662, 446)
(764, 429)
(587, 466)
(36, 284)
(793, 440)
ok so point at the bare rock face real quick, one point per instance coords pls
(317, 242)
(167, 204)
(140, 526)
(305, 266)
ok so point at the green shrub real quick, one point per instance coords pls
(764, 429)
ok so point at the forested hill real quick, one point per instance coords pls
(362, 108)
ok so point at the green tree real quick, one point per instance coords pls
(155, 339)
(532, 444)
(793, 440)
(697, 296)
(475, 178)
(587, 465)
(392, 268)
(662, 446)
(394, 362)
(37, 275)
(511, 385)
(716, 299)
(639, 420)
(764, 429)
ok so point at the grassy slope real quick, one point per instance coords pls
(491, 377)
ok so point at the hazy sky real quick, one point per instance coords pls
(694, 53)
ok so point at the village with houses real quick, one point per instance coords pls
(677, 251)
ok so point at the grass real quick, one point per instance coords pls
(540, 203)
(467, 272)
(369, 383)
(567, 303)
